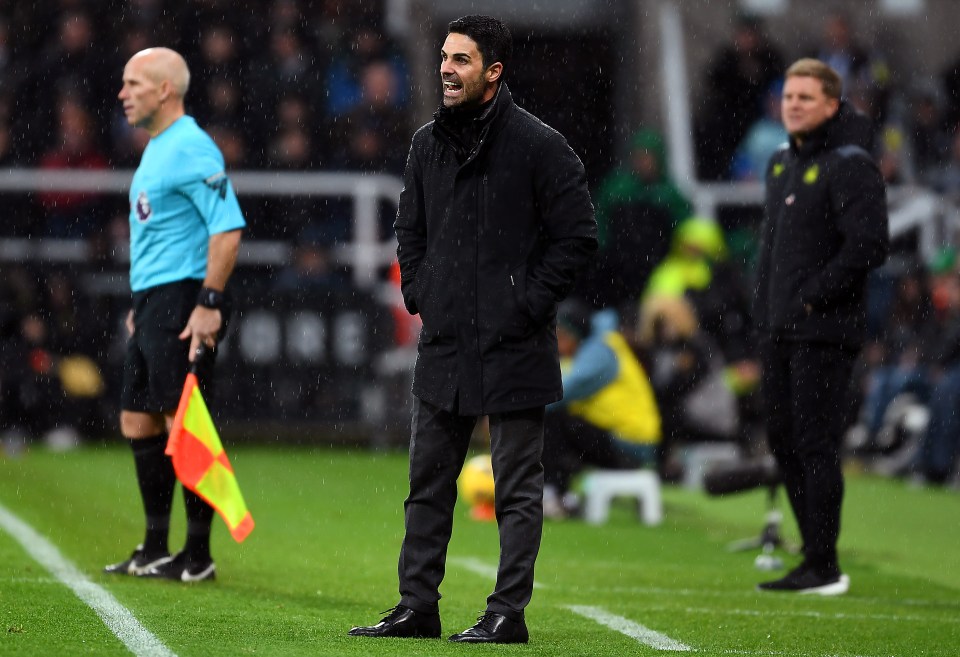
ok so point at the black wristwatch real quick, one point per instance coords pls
(210, 298)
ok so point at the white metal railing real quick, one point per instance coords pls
(365, 253)
(934, 217)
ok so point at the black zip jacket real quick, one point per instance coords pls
(826, 227)
(489, 243)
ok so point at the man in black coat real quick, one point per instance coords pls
(494, 225)
(825, 229)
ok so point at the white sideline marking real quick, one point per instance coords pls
(115, 616)
(631, 629)
(819, 614)
(752, 594)
(483, 568)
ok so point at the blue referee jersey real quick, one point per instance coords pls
(180, 195)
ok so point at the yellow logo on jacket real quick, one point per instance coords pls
(777, 169)
(810, 175)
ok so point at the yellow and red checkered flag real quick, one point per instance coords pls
(201, 463)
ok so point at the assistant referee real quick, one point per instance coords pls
(185, 227)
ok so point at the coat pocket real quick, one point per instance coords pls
(517, 321)
(518, 288)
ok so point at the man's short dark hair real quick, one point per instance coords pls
(492, 37)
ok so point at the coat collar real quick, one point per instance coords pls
(847, 126)
(449, 128)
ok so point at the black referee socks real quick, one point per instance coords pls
(157, 480)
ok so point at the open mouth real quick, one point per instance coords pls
(451, 88)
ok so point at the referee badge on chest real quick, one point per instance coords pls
(142, 207)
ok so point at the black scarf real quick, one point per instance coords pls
(463, 126)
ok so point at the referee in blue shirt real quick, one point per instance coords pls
(185, 227)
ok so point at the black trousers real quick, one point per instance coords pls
(438, 448)
(805, 386)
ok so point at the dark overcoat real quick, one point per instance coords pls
(489, 244)
(826, 227)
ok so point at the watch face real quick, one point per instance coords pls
(210, 298)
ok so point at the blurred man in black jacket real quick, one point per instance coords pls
(825, 229)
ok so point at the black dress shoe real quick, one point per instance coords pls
(403, 622)
(494, 628)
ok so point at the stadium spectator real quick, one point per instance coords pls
(18, 299)
(936, 462)
(689, 378)
(765, 136)
(70, 64)
(738, 76)
(50, 385)
(929, 141)
(373, 132)
(638, 206)
(824, 231)
(898, 360)
(72, 214)
(285, 15)
(7, 157)
(865, 74)
(232, 144)
(698, 269)
(946, 179)
(147, 15)
(185, 226)
(486, 287)
(608, 417)
(313, 272)
(288, 141)
(218, 83)
(950, 77)
(333, 22)
(290, 149)
(8, 78)
(344, 79)
(288, 68)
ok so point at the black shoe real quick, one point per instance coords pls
(494, 628)
(182, 569)
(137, 563)
(404, 623)
(804, 579)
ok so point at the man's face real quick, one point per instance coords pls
(462, 72)
(141, 95)
(804, 106)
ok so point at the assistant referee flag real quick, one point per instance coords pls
(201, 463)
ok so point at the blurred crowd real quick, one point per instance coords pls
(53, 343)
(916, 120)
(280, 84)
(319, 85)
(682, 283)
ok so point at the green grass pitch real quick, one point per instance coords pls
(323, 558)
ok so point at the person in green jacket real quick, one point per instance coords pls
(638, 207)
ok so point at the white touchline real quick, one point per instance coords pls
(482, 568)
(115, 616)
(630, 628)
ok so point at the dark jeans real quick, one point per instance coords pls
(885, 384)
(805, 385)
(571, 443)
(938, 453)
(438, 447)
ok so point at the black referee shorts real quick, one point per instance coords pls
(157, 360)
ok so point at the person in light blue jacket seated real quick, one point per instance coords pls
(608, 417)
